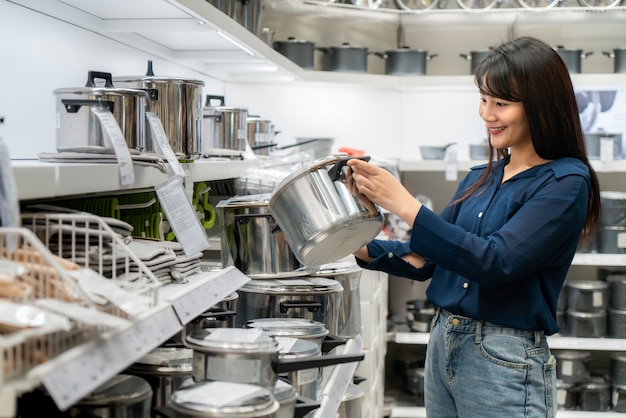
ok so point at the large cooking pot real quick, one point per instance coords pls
(299, 51)
(178, 104)
(165, 369)
(304, 329)
(476, 57)
(348, 275)
(322, 215)
(619, 59)
(246, 355)
(304, 381)
(406, 61)
(260, 134)
(79, 129)
(351, 405)
(248, 13)
(572, 58)
(223, 127)
(344, 58)
(252, 242)
(317, 299)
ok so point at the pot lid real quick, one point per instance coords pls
(256, 200)
(225, 109)
(165, 361)
(297, 348)
(224, 399)
(241, 340)
(283, 391)
(289, 327)
(337, 268)
(102, 91)
(588, 285)
(293, 286)
(122, 389)
(294, 40)
(152, 79)
(353, 392)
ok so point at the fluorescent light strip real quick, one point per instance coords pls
(237, 44)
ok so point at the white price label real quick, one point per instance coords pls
(606, 154)
(162, 144)
(451, 163)
(115, 136)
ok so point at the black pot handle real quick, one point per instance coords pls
(358, 379)
(286, 365)
(74, 105)
(304, 405)
(336, 172)
(245, 218)
(92, 75)
(218, 314)
(218, 118)
(332, 341)
(163, 411)
(150, 71)
(210, 97)
(292, 304)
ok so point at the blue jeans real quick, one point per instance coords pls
(476, 369)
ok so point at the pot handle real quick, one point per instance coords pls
(74, 105)
(337, 173)
(286, 365)
(323, 49)
(244, 219)
(210, 97)
(332, 341)
(92, 75)
(431, 56)
(586, 54)
(218, 118)
(466, 56)
(311, 306)
(219, 315)
(304, 405)
(609, 54)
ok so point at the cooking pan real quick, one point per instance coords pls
(322, 215)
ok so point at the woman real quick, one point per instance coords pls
(498, 254)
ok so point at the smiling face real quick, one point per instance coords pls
(505, 121)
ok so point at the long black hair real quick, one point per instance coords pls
(529, 71)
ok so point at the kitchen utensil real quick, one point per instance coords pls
(619, 59)
(406, 61)
(321, 214)
(344, 58)
(475, 57)
(572, 58)
(299, 51)
(223, 127)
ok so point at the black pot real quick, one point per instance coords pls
(572, 58)
(299, 51)
(475, 57)
(619, 55)
(345, 58)
(406, 61)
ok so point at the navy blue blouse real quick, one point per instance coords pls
(503, 254)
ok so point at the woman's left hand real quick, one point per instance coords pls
(382, 188)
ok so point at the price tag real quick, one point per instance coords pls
(451, 163)
(182, 217)
(162, 144)
(116, 138)
(607, 148)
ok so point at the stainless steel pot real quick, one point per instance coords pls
(321, 214)
(344, 58)
(304, 329)
(317, 299)
(223, 127)
(348, 275)
(220, 315)
(260, 134)
(613, 208)
(79, 129)
(305, 381)
(178, 104)
(619, 59)
(165, 369)
(593, 143)
(248, 13)
(572, 58)
(406, 61)
(299, 51)
(253, 242)
(476, 57)
(351, 405)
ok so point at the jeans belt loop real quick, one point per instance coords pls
(479, 332)
(538, 336)
(436, 316)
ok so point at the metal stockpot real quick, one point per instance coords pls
(79, 129)
(260, 133)
(304, 329)
(406, 61)
(317, 299)
(348, 275)
(178, 104)
(619, 59)
(476, 57)
(252, 242)
(322, 215)
(220, 315)
(165, 369)
(223, 127)
(351, 405)
(572, 58)
(345, 58)
(299, 51)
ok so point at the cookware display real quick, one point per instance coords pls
(223, 127)
(572, 58)
(344, 58)
(304, 329)
(322, 215)
(253, 242)
(79, 129)
(316, 299)
(305, 381)
(248, 13)
(178, 104)
(619, 59)
(220, 315)
(351, 405)
(476, 57)
(406, 61)
(593, 144)
(299, 51)
(260, 134)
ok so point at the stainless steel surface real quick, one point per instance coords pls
(223, 127)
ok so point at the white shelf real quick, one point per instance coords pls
(78, 371)
(420, 412)
(41, 180)
(595, 259)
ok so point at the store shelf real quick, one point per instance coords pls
(420, 412)
(36, 179)
(599, 260)
(615, 166)
(78, 371)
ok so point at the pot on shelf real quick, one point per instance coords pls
(475, 57)
(406, 61)
(344, 58)
(619, 59)
(299, 51)
(223, 127)
(572, 58)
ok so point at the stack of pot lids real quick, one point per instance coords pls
(289, 327)
(224, 399)
(122, 389)
(166, 360)
(284, 391)
(240, 340)
(297, 286)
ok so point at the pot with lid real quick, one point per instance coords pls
(78, 127)
(344, 58)
(619, 59)
(223, 127)
(476, 57)
(260, 134)
(406, 61)
(322, 215)
(572, 58)
(304, 329)
(299, 51)
(178, 104)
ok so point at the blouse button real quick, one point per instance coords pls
(465, 285)
(480, 214)
(389, 255)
